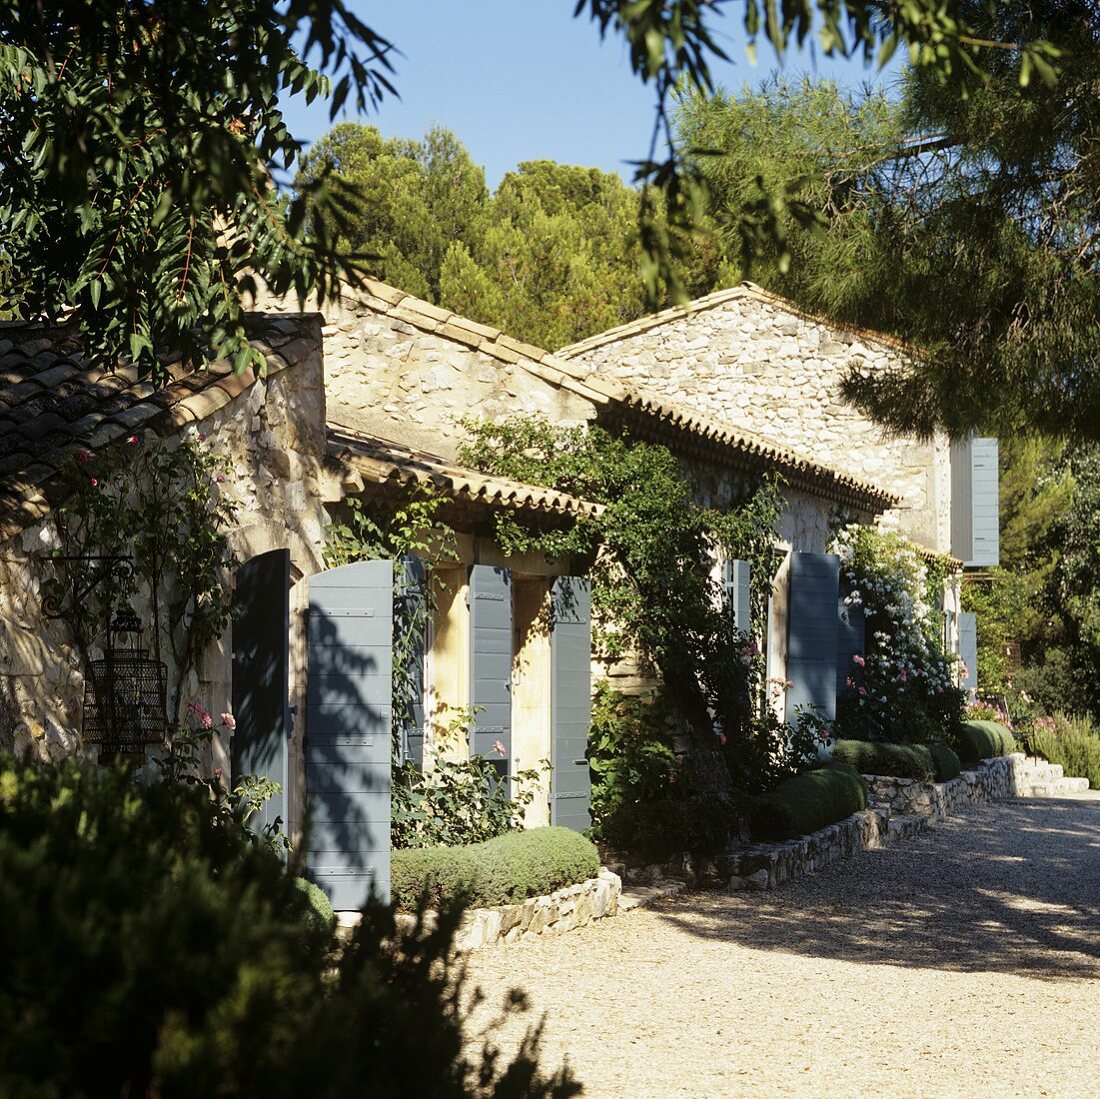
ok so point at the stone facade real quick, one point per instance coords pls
(411, 372)
(272, 432)
(752, 360)
(402, 369)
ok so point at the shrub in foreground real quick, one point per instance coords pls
(984, 740)
(808, 802)
(504, 870)
(151, 950)
(874, 757)
(1074, 742)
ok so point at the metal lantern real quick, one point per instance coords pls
(125, 692)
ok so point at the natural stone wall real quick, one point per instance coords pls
(273, 436)
(767, 865)
(402, 373)
(566, 910)
(748, 359)
(899, 808)
(1004, 777)
(407, 376)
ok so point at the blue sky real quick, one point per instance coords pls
(523, 80)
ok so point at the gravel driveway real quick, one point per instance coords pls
(965, 962)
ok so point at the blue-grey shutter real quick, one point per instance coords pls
(413, 599)
(348, 730)
(975, 502)
(571, 700)
(851, 638)
(490, 597)
(985, 487)
(962, 501)
(261, 678)
(968, 649)
(812, 633)
(735, 584)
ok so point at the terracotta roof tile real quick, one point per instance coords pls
(53, 402)
(384, 462)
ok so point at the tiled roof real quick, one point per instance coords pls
(647, 415)
(722, 443)
(745, 290)
(380, 461)
(53, 403)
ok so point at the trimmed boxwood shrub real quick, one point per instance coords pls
(808, 802)
(984, 740)
(947, 763)
(504, 870)
(320, 907)
(879, 758)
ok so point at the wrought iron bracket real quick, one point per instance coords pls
(119, 566)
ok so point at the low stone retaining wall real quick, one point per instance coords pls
(766, 865)
(1005, 777)
(899, 807)
(567, 909)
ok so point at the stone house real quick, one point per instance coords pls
(54, 404)
(304, 664)
(402, 369)
(756, 362)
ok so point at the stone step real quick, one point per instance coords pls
(1057, 788)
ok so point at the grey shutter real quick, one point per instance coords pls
(962, 506)
(490, 596)
(975, 502)
(851, 638)
(413, 600)
(349, 715)
(812, 633)
(261, 678)
(985, 488)
(571, 701)
(735, 584)
(968, 649)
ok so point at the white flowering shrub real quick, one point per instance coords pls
(903, 688)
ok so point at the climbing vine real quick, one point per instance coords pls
(650, 554)
(160, 506)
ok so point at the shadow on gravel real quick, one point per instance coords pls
(1008, 888)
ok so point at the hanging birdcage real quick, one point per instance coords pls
(125, 692)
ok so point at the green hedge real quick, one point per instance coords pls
(320, 907)
(947, 763)
(150, 949)
(504, 870)
(926, 762)
(808, 802)
(879, 758)
(984, 740)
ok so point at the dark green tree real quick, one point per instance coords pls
(412, 200)
(969, 226)
(140, 139)
(557, 261)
